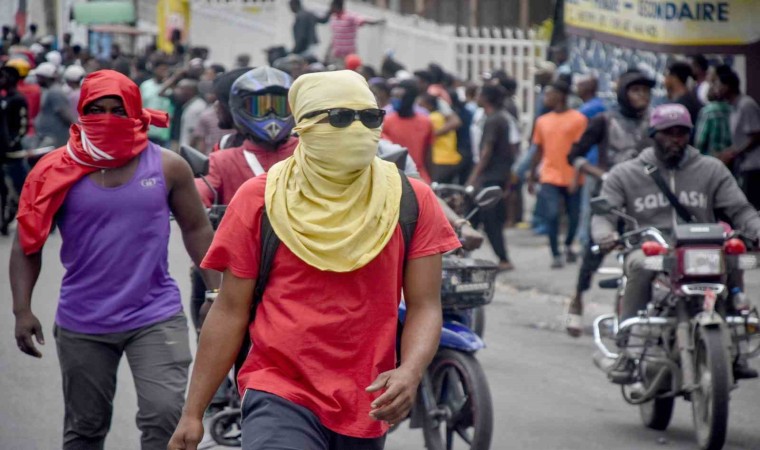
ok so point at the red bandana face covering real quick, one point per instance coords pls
(102, 141)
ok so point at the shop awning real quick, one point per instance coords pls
(104, 12)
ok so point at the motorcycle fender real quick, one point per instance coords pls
(709, 320)
(457, 336)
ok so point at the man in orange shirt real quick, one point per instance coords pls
(554, 135)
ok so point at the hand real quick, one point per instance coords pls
(471, 238)
(205, 307)
(608, 243)
(574, 185)
(188, 434)
(728, 155)
(400, 387)
(531, 186)
(27, 325)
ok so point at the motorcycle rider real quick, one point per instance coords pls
(703, 184)
(258, 103)
(258, 107)
(619, 135)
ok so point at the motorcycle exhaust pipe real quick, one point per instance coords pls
(651, 392)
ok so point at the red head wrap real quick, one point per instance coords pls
(101, 141)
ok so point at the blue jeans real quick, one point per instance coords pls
(551, 196)
(521, 170)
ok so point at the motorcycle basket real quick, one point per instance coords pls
(467, 283)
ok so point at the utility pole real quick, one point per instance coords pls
(524, 15)
(473, 13)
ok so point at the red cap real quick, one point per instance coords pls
(353, 61)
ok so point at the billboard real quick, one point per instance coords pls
(674, 26)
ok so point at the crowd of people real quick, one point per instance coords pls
(315, 130)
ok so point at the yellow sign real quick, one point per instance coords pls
(677, 23)
(172, 15)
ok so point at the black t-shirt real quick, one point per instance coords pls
(496, 132)
(13, 122)
(692, 103)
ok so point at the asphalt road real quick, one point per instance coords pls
(547, 394)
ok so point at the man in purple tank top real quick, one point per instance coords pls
(112, 193)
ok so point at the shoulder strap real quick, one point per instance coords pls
(408, 212)
(269, 244)
(681, 210)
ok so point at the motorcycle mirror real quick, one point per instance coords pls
(197, 160)
(600, 206)
(489, 197)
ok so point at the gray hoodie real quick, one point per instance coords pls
(702, 183)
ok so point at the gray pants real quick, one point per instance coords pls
(158, 355)
(273, 423)
(638, 289)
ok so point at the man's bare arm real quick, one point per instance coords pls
(24, 271)
(223, 331)
(186, 205)
(419, 341)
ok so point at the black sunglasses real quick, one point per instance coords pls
(343, 117)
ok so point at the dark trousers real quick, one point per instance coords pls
(751, 187)
(493, 220)
(273, 423)
(158, 355)
(197, 295)
(15, 170)
(552, 197)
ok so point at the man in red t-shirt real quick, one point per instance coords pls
(323, 357)
(407, 128)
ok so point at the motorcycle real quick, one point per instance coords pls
(684, 343)
(461, 200)
(454, 398)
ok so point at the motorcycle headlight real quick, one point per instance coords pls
(450, 277)
(480, 276)
(703, 262)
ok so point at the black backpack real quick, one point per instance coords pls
(408, 212)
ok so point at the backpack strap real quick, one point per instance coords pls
(408, 212)
(269, 244)
(681, 210)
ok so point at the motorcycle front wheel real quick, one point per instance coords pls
(709, 401)
(461, 389)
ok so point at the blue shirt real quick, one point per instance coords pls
(590, 109)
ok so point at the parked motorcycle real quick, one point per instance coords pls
(462, 201)
(692, 332)
(453, 405)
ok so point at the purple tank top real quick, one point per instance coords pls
(115, 252)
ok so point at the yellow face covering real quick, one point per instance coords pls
(334, 204)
